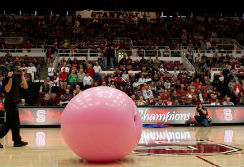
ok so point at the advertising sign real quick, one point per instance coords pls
(149, 115)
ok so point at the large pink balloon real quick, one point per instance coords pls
(101, 124)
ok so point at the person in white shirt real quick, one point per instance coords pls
(147, 92)
(125, 76)
(97, 69)
(87, 81)
(142, 79)
(228, 102)
(50, 71)
(55, 84)
(66, 68)
(55, 81)
(208, 44)
(160, 103)
(31, 70)
(167, 84)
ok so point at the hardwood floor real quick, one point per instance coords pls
(219, 146)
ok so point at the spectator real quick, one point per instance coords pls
(27, 76)
(45, 87)
(129, 61)
(97, 69)
(65, 67)
(87, 81)
(147, 94)
(152, 101)
(153, 86)
(141, 101)
(105, 58)
(63, 78)
(67, 95)
(55, 84)
(241, 100)
(228, 102)
(167, 84)
(23, 103)
(51, 71)
(90, 71)
(160, 103)
(111, 56)
(142, 79)
(72, 79)
(62, 101)
(47, 101)
(237, 88)
(80, 77)
(125, 76)
(31, 70)
(169, 102)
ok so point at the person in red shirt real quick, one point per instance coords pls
(129, 60)
(237, 89)
(241, 73)
(90, 71)
(196, 83)
(63, 79)
(169, 102)
(164, 96)
(119, 80)
(181, 91)
(117, 71)
(28, 46)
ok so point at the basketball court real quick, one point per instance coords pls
(219, 146)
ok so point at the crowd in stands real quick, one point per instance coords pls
(59, 33)
(200, 34)
(158, 83)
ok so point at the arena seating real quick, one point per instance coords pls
(88, 40)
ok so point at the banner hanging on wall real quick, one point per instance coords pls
(101, 14)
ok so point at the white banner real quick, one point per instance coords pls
(115, 14)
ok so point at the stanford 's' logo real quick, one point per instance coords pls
(227, 114)
(41, 116)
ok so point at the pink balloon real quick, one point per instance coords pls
(101, 124)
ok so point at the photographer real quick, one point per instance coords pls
(12, 85)
(201, 116)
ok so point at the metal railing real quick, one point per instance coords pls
(133, 53)
(234, 51)
(187, 64)
(32, 50)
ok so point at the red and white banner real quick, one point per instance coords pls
(115, 14)
(149, 115)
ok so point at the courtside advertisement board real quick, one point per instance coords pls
(149, 115)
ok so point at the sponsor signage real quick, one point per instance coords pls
(114, 14)
(149, 115)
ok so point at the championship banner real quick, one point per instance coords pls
(114, 14)
(185, 115)
(149, 115)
